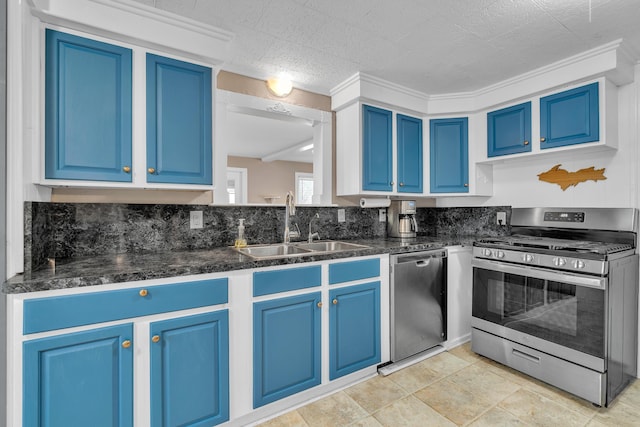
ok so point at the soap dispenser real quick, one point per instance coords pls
(241, 242)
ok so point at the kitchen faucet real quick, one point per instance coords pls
(290, 210)
(314, 235)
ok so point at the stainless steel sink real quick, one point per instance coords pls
(329, 246)
(272, 251)
(283, 250)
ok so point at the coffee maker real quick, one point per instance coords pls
(401, 219)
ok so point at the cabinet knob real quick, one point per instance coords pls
(391, 183)
(526, 143)
(143, 292)
(151, 170)
(335, 301)
(401, 184)
(466, 185)
(126, 343)
(543, 139)
(155, 338)
(319, 304)
(126, 169)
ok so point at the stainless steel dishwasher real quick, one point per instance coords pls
(418, 302)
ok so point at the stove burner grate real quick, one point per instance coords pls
(550, 244)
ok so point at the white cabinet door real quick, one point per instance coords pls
(459, 295)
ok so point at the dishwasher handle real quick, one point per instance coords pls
(421, 259)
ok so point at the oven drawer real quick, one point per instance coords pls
(582, 382)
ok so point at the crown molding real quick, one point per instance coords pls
(136, 23)
(613, 60)
(369, 88)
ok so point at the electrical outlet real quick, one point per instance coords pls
(382, 215)
(195, 219)
(501, 218)
(341, 217)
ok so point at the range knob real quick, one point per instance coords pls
(527, 258)
(559, 262)
(577, 264)
(499, 254)
(486, 252)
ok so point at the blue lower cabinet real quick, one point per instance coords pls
(354, 328)
(190, 370)
(79, 379)
(286, 347)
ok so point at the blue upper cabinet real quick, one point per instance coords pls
(409, 143)
(377, 166)
(449, 155)
(509, 130)
(570, 117)
(179, 143)
(87, 109)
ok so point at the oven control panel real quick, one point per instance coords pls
(564, 216)
(541, 260)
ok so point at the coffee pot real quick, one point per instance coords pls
(401, 219)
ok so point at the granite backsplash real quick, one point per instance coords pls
(72, 230)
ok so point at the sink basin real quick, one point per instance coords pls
(329, 246)
(283, 250)
(272, 251)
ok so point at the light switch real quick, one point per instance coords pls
(501, 218)
(341, 216)
(382, 215)
(195, 219)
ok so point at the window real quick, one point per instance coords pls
(237, 185)
(304, 188)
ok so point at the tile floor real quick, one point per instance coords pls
(460, 388)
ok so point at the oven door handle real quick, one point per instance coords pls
(540, 273)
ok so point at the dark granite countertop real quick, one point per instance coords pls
(100, 270)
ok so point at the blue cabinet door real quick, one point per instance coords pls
(377, 166)
(354, 328)
(190, 370)
(449, 155)
(87, 109)
(179, 121)
(509, 130)
(409, 142)
(286, 347)
(570, 117)
(79, 379)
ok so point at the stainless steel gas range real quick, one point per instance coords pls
(558, 298)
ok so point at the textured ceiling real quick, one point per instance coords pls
(433, 46)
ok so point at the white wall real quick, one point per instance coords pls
(515, 182)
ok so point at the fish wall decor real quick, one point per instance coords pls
(566, 179)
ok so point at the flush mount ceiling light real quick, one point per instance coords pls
(280, 87)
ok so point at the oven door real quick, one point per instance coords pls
(555, 312)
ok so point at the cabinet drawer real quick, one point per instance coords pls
(272, 282)
(47, 314)
(353, 270)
